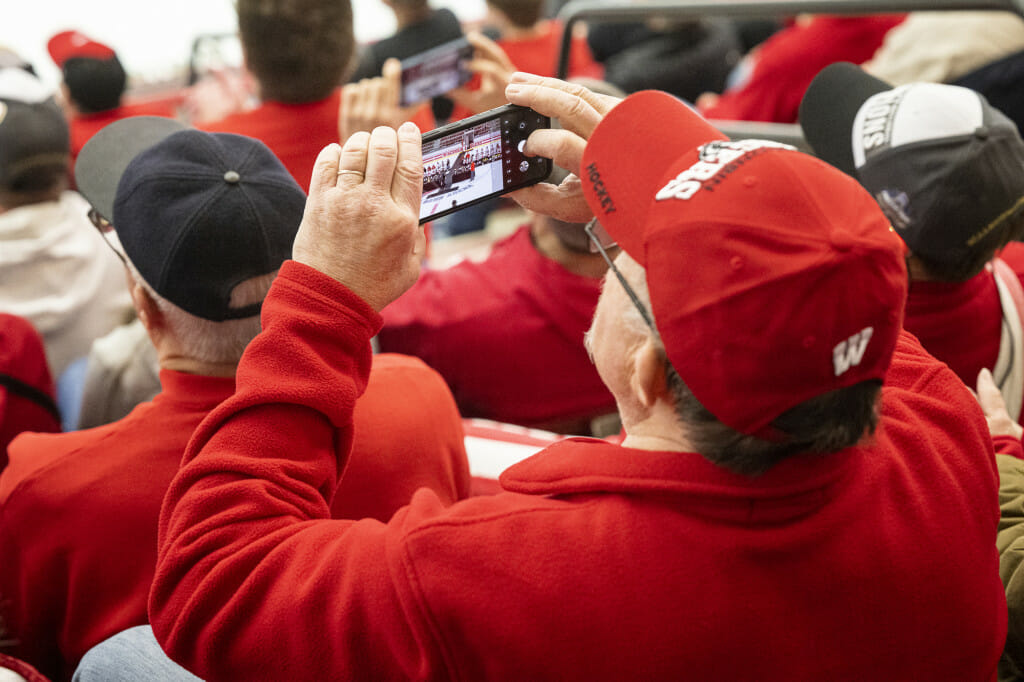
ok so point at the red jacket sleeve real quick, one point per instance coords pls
(244, 531)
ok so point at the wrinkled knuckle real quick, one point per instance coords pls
(408, 169)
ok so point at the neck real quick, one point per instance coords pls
(406, 16)
(654, 427)
(550, 246)
(513, 32)
(917, 271)
(186, 365)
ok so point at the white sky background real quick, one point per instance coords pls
(153, 40)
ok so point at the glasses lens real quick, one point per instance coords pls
(599, 237)
(107, 231)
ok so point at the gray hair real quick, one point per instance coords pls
(206, 340)
(824, 424)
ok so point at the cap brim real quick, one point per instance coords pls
(103, 159)
(828, 110)
(628, 155)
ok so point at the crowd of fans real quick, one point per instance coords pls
(786, 387)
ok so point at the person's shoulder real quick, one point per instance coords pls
(36, 457)
(923, 400)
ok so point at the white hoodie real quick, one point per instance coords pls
(57, 271)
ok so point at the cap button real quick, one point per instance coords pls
(981, 132)
(232, 177)
(841, 239)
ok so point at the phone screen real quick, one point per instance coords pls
(473, 160)
(436, 71)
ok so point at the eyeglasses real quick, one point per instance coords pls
(108, 233)
(600, 241)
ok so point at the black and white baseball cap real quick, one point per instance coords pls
(945, 166)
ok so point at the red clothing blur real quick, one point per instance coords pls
(23, 359)
(84, 126)
(960, 322)
(600, 563)
(296, 133)
(78, 511)
(507, 336)
(786, 63)
(538, 54)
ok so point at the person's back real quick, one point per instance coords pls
(948, 171)
(506, 333)
(781, 68)
(80, 572)
(533, 42)
(27, 399)
(94, 83)
(299, 52)
(53, 269)
(800, 544)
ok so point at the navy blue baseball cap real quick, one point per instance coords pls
(197, 213)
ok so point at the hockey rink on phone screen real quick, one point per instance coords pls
(461, 167)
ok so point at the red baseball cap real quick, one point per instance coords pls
(773, 277)
(68, 44)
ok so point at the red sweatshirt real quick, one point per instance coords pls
(787, 62)
(507, 335)
(960, 322)
(78, 511)
(600, 563)
(296, 132)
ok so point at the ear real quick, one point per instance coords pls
(146, 309)
(648, 377)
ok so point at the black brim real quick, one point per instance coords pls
(828, 110)
(103, 159)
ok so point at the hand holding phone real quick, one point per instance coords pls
(481, 157)
(436, 71)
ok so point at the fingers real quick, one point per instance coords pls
(564, 202)
(351, 166)
(988, 393)
(390, 85)
(576, 108)
(325, 169)
(561, 146)
(992, 404)
(381, 159)
(407, 183)
(488, 49)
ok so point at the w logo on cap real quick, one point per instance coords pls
(850, 352)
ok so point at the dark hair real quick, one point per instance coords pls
(824, 424)
(94, 84)
(1010, 228)
(298, 50)
(522, 13)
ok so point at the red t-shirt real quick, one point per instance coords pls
(600, 562)
(23, 359)
(539, 53)
(507, 336)
(786, 63)
(960, 322)
(84, 126)
(78, 526)
(296, 133)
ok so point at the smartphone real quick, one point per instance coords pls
(436, 71)
(479, 158)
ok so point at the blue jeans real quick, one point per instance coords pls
(130, 656)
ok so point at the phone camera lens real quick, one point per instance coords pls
(522, 125)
